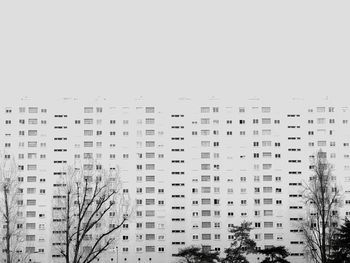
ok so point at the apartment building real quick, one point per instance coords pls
(192, 167)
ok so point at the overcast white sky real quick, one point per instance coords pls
(174, 48)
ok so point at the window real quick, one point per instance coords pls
(88, 109)
(205, 109)
(150, 178)
(205, 189)
(150, 249)
(31, 167)
(205, 143)
(268, 236)
(268, 213)
(150, 121)
(32, 144)
(206, 212)
(205, 155)
(33, 110)
(150, 190)
(267, 178)
(320, 109)
(150, 201)
(150, 109)
(150, 166)
(88, 144)
(88, 121)
(205, 166)
(149, 224)
(29, 226)
(31, 190)
(206, 236)
(150, 213)
(150, 132)
(30, 213)
(150, 143)
(30, 237)
(266, 132)
(149, 155)
(31, 179)
(265, 109)
(266, 121)
(266, 143)
(267, 189)
(205, 120)
(205, 132)
(321, 143)
(267, 201)
(267, 166)
(321, 120)
(150, 236)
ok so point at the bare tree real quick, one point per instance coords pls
(12, 235)
(89, 208)
(321, 197)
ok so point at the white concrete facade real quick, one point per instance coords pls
(192, 166)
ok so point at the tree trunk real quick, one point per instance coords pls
(323, 244)
(323, 252)
(8, 234)
(67, 228)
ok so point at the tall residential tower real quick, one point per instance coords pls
(192, 167)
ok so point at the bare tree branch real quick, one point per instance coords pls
(86, 199)
(322, 199)
(11, 214)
